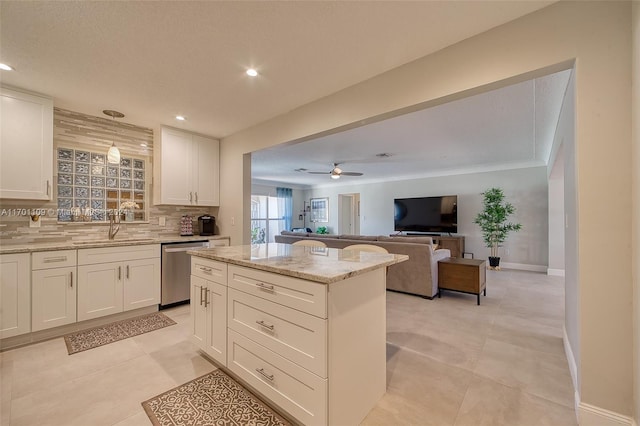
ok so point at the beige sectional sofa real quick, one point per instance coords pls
(418, 275)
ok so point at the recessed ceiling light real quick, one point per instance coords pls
(144, 145)
(5, 67)
(251, 72)
(180, 117)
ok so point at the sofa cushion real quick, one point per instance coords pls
(317, 236)
(357, 237)
(296, 233)
(403, 239)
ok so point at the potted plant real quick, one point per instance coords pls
(493, 222)
(322, 230)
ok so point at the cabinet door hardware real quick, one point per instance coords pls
(206, 297)
(119, 273)
(191, 197)
(127, 271)
(48, 188)
(265, 325)
(264, 286)
(201, 298)
(71, 279)
(265, 375)
(196, 197)
(206, 270)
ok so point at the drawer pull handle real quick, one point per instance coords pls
(265, 375)
(206, 270)
(71, 279)
(55, 259)
(206, 298)
(265, 325)
(201, 298)
(264, 286)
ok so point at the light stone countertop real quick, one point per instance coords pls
(319, 264)
(101, 242)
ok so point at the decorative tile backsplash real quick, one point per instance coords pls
(83, 178)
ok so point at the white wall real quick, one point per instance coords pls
(596, 37)
(525, 188)
(556, 215)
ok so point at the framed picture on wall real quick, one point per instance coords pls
(319, 210)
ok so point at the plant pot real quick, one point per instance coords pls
(494, 262)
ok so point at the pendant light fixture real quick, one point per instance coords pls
(113, 156)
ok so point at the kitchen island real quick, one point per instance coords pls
(303, 327)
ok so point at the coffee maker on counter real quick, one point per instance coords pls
(207, 224)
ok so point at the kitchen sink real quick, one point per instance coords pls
(115, 241)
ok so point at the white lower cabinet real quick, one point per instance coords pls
(317, 351)
(53, 289)
(99, 290)
(141, 283)
(15, 300)
(129, 279)
(209, 308)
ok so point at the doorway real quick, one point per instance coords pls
(349, 214)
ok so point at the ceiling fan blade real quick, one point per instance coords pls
(319, 173)
(351, 174)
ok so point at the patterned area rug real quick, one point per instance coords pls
(98, 336)
(212, 399)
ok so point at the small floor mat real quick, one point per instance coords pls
(98, 336)
(212, 399)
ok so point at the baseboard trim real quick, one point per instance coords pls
(555, 272)
(590, 415)
(573, 370)
(523, 267)
(587, 414)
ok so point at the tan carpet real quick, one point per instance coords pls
(212, 399)
(98, 336)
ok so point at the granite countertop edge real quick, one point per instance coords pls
(323, 279)
(71, 245)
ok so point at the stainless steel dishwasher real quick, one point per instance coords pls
(176, 271)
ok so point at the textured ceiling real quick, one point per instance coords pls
(153, 60)
(505, 128)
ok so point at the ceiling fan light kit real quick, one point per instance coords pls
(334, 173)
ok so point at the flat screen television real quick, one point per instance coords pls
(426, 214)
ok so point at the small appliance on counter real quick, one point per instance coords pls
(186, 226)
(207, 224)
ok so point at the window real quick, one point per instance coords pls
(266, 219)
(88, 186)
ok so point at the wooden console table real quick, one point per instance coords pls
(463, 275)
(454, 244)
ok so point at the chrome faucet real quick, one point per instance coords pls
(113, 230)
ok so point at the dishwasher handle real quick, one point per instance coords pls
(183, 249)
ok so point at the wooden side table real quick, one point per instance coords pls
(463, 275)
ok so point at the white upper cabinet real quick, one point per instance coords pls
(186, 169)
(26, 146)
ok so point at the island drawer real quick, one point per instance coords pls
(297, 336)
(209, 269)
(297, 391)
(306, 296)
(53, 259)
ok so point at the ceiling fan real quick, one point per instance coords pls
(336, 172)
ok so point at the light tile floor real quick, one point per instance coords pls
(449, 362)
